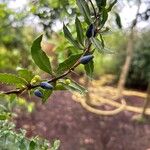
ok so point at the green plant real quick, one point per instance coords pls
(95, 17)
(87, 41)
(11, 140)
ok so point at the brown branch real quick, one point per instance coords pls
(29, 87)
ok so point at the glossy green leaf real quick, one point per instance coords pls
(75, 87)
(69, 36)
(111, 5)
(89, 68)
(11, 79)
(68, 63)
(79, 29)
(118, 21)
(25, 74)
(97, 44)
(84, 9)
(39, 56)
(104, 17)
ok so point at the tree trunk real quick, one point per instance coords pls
(126, 67)
(87, 96)
(147, 101)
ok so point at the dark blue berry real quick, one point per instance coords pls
(46, 85)
(38, 93)
(86, 59)
(90, 31)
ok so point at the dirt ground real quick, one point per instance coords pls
(78, 129)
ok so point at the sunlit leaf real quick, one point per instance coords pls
(25, 74)
(75, 87)
(111, 5)
(97, 44)
(79, 29)
(69, 62)
(69, 36)
(39, 56)
(11, 79)
(56, 145)
(89, 68)
(84, 9)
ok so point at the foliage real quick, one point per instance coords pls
(12, 24)
(87, 41)
(140, 61)
(50, 12)
(95, 19)
(11, 140)
(139, 74)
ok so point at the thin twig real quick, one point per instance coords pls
(95, 14)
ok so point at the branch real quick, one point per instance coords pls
(29, 87)
(134, 22)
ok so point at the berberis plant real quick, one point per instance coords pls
(92, 13)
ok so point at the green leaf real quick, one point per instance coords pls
(118, 21)
(89, 68)
(73, 86)
(25, 74)
(69, 36)
(60, 86)
(84, 9)
(104, 17)
(56, 144)
(4, 116)
(69, 62)
(101, 3)
(97, 44)
(111, 5)
(32, 145)
(79, 30)
(22, 145)
(11, 79)
(102, 41)
(46, 95)
(39, 56)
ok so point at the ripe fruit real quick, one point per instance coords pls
(38, 93)
(46, 85)
(90, 31)
(86, 59)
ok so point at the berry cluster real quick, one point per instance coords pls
(44, 85)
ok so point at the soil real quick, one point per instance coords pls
(64, 119)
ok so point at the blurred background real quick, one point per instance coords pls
(62, 117)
